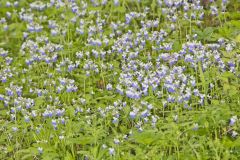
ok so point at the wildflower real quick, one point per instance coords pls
(175, 118)
(54, 123)
(234, 134)
(1, 97)
(8, 4)
(195, 126)
(140, 129)
(116, 141)
(132, 115)
(109, 87)
(233, 120)
(14, 129)
(61, 137)
(16, 3)
(115, 120)
(27, 119)
(111, 151)
(104, 146)
(214, 10)
(144, 114)
(5, 27)
(40, 150)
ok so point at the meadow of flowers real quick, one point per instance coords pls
(119, 79)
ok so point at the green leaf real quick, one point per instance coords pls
(23, 151)
(50, 156)
(228, 75)
(27, 156)
(215, 102)
(176, 46)
(105, 97)
(153, 5)
(237, 38)
(81, 140)
(68, 156)
(207, 31)
(146, 137)
(10, 148)
(226, 87)
(120, 9)
(233, 91)
(39, 101)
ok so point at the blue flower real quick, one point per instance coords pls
(115, 120)
(195, 126)
(40, 150)
(111, 151)
(144, 114)
(132, 115)
(233, 120)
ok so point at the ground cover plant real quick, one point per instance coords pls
(119, 79)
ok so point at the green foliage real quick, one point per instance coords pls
(198, 132)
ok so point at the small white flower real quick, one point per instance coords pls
(104, 146)
(175, 118)
(61, 137)
(234, 134)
